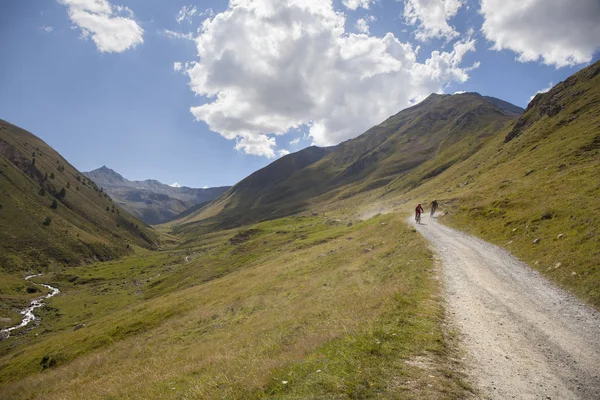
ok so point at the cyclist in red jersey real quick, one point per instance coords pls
(418, 212)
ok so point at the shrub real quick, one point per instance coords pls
(54, 205)
(47, 221)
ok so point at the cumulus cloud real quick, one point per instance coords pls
(557, 32)
(112, 28)
(295, 141)
(177, 66)
(283, 152)
(265, 67)
(362, 25)
(354, 4)
(431, 17)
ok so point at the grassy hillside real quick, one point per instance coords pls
(292, 308)
(536, 179)
(51, 215)
(454, 125)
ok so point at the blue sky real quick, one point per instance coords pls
(205, 95)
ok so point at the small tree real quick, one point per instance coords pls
(62, 193)
(54, 205)
(52, 176)
(42, 191)
(68, 184)
(107, 208)
(47, 221)
(33, 161)
(46, 176)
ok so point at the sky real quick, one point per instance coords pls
(203, 93)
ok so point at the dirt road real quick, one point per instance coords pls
(524, 337)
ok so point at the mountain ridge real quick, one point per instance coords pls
(377, 157)
(152, 201)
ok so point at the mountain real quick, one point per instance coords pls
(446, 128)
(50, 212)
(533, 187)
(150, 200)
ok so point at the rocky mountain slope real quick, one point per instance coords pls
(50, 212)
(150, 200)
(445, 128)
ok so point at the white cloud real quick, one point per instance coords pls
(354, 4)
(283, 152)
(431, 17)
(47, 29)
(362, 25)
(178, 35)
(110, 31)
(557, 32)
(205, 187)
(544, 90)
(186, 13)
(295, 141)
(267, 66)
(175, 185)
(177, 66)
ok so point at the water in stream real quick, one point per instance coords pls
(27, 313)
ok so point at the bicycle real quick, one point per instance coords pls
(418, 218)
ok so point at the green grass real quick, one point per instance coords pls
(247, 311)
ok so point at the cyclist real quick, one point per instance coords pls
(434, 206)
(418, 212)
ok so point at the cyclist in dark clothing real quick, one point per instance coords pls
(434, 206)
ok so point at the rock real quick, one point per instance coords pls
(350, 223)
(367, 250)
(349, 238)
(574, 273)
(314, 214)
(557, 265)
(514, 230)
(529, 172)
(536, 240)
(560, 236)
(78, 327)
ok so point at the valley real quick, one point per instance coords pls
(305, 280)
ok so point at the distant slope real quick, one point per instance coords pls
(450, 126)
(50, 212)
(150, 200)
(535, 179)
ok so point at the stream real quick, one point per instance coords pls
(27, 313)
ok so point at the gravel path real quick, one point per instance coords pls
(524, 337)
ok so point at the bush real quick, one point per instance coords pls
(54, 205)
(52, 176)
(47, 221)
(42, 191)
